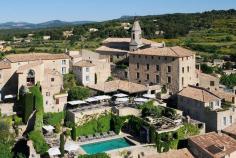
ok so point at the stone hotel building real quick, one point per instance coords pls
(170, 66)
(18, 70)
(151, 62)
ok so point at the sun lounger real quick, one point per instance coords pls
(112, 133)
(97, 136)
(104, 134)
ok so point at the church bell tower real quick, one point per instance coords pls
(136, 37)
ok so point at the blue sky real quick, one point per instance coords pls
(72, 10)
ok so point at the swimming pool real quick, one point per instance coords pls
(104, 146)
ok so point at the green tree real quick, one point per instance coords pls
(62, 144)
(73, 133)
(206, 69)
(6, 139)
(78, 92)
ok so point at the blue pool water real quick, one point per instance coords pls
(104, 146)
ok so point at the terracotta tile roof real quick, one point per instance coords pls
(28, 66)
(199, 94)
(116, 40)
(35, 56)
(230, 130)
(124, 86)
(227, 96)
(204, 76)
(216, 145)
(4, 65)
(84, 63)
(165, 51)
(108, 49)
(181, 153)
(126, 40)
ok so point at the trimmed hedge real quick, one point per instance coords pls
(117, 123)
(102, 124)
(53, 118)
(38, 102)
(39, 143)
(99, 155)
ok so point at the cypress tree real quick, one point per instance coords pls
(62, 144)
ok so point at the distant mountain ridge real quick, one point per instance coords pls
(48, 24)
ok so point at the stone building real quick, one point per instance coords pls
(18, 70)
(212, 145)
(170, 66)
(90, 67)
(84, 71)
(207, 81)
(117, 49)
(151, 62)
(205, 106)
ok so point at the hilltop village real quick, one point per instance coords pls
(130, 98)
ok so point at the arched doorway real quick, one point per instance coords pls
(30, 78)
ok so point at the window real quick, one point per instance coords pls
(46, 102)
(87, 69)
(139, 56)
(152, 57)
(63, 70)
(169, 79)
(87, 78)
(225, 121)
(57, 101)
(137, 65)
(231, 119)
(212, 83)
(182, 81)
(165, 58)
(169, 69)
(47, 94)
(52, 79)
(211, 105)
(147, 66)
(182, 69)
(133, 36)
(30, 78)
(63, 62)
(157, 67)
(188, 68)
(147, 76)
(157, 79)
(159, 58)
(126, 74)
(137, 75)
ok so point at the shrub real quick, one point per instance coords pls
(39, 143)
(17, 120)
(58, 128)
